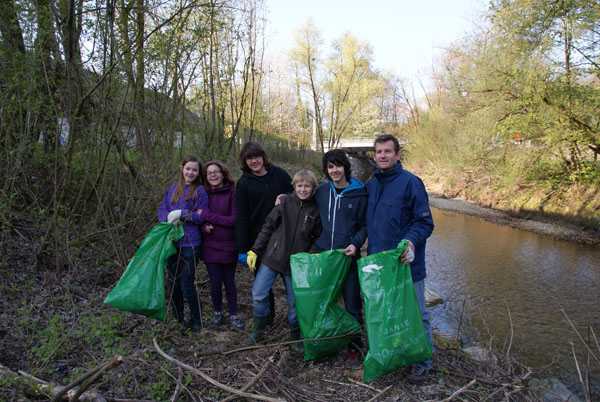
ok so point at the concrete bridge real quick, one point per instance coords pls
(356, 146)
(353, 146)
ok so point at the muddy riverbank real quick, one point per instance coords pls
(536, 223)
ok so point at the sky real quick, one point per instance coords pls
(406, 35)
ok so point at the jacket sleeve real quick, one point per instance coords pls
(221, 220)
(288, 179)
(191, 215)
(359, 238)
(318, 228)
(272, 222)
(164, 208)
(422, 222)
(242, 217)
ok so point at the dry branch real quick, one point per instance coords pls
(53, 389)
(287, 343)
(252, 381)
(211, 380)
(89, 378)
(386, 389)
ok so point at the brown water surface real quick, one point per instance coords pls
(506, 275)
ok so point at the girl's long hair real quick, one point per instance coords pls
(180, 188)
(227, 179)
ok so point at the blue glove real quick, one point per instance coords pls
(243, 259)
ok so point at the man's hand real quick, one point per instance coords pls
(174, 216)
(252, 257)
(350, 251)
(242, 259)
(278, 199)
(408, 255)
(208, 228)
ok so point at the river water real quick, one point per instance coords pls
(502, 275)
(491, 276)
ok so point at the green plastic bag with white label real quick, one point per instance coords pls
(141, 289)
(393, 319)
(317, 280)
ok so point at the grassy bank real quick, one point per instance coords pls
(573, 205)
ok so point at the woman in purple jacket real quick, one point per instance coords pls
(219, 248)
(181, 202)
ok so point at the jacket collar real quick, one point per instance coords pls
(354, 184)
(389, 174)
(221, 189)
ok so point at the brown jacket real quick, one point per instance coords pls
(291, 227)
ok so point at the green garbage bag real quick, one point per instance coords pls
(141, 288)
(393, 319)
(317, 280)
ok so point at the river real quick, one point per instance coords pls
(515, 288)
(503, 275)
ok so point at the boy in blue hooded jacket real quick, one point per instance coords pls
(342, 203)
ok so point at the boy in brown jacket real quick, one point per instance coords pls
(292, 227)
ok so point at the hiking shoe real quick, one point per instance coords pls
(354, 359)
(236, 322)
(417, 375)
(195, 327)
(217, 317)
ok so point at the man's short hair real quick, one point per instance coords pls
(338, 158)
(253, 149)
(388, 137)
(305, 175)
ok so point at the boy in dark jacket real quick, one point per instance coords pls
(255, 196)
(342, 203)
(291, 227)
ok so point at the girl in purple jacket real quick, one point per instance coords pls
(181, 202)
(219, 247)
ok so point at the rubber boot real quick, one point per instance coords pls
(260, 324)
(296, 348)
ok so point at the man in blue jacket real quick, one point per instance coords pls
(342, 203)
(398, 209)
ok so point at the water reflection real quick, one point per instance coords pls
(499, 271)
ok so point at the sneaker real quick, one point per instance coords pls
(195, 327)
(217, 317)
(417, 375)
(354, 359)
(236, 322)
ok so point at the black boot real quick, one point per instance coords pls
(295, 335)
(260, 324)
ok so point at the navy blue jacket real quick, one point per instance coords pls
(343, 215)
(398, 209)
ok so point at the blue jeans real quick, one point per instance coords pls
(420, 293)
(263, 282)
(352, 299)
(181, 269)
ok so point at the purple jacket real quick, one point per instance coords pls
(191, 220)
(220, 244)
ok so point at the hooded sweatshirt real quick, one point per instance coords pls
(343, 215)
